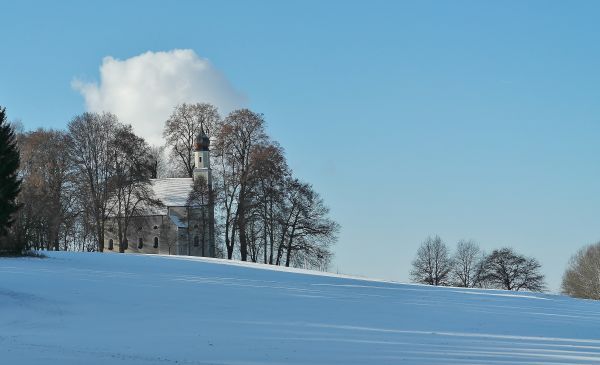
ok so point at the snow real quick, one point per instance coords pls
(90, 308)
(173, 192)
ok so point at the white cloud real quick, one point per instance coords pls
(143, 90)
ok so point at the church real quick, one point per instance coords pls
(176, 228)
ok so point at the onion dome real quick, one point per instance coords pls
(201, 142)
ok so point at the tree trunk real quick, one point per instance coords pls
(289, 252)
(241, 223)
(120, 234)
(289, 248)
(271, 234)
(280, 247)
(100, 237)
(265, 235)
(228, 243)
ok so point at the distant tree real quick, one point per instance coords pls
(505, 269)
(466, 264)
(582, 277)
(182, 127)
(432, 265)
(9, 180)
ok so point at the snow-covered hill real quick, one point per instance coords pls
(75, 308)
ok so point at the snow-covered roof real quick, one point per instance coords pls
(173, 192)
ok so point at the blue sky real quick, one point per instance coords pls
(465, 119)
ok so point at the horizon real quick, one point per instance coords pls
(465, 120)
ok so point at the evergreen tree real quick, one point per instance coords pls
(9, 181)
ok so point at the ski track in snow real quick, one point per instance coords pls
(74, 308)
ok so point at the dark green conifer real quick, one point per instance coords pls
(9, 179)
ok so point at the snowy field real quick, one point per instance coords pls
(75, 308)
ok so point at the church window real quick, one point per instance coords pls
(200, 160)
(140, 243)
(110, 244)
(155, 227)
(155, 242)
(196, 241)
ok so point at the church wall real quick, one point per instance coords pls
(146, 228)
(172, 240)
(199, 234)
(190, 239)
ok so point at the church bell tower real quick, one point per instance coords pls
(202, 157)
(202, 168)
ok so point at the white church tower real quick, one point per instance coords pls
(202, 158)
(202, 168)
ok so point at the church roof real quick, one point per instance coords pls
(172, 191)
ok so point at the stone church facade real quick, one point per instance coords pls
(176, 228)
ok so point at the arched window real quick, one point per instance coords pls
(155, 242)
(110, 244)
(196, 241)
(140, 243)
(125, 243)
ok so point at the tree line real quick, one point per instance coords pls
(503, 268)
(470, 267)
(73, 180)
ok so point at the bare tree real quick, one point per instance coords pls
(131, 192)
(432, 264)
(89, 147)
(241, 133)
(254, 234)
(582, 277)
(271, 173)
(47, 195)
(466, 266)
(305, 227)
(227, 189)
(158, 164)
(183, 126)
(505, 269)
